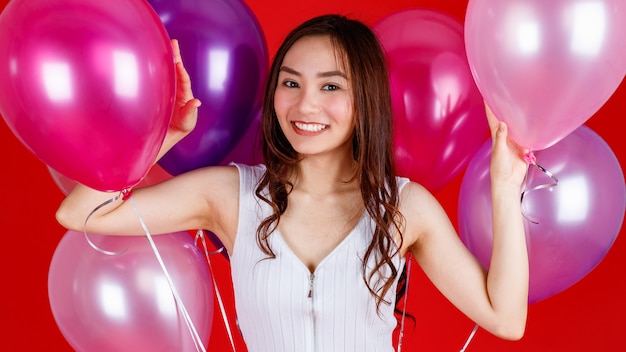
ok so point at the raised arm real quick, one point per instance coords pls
(185, 202)
(496, 300)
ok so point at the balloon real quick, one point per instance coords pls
(569, 227)
(249, 150)
(545, 67)
(439, 114)
(87, 86)
(123, 302)
(225, 53)
(154, 176)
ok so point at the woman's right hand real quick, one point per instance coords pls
(185, 114)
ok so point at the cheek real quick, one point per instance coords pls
(342, 109)
(281, 103)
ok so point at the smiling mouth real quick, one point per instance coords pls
(310, 127)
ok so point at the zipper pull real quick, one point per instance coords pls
(311, 278)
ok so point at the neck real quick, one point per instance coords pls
(324, 175)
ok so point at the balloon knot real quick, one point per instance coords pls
(530, 158)
(126, 193)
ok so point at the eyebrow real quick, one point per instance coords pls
(321, 74)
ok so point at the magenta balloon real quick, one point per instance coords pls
(66, 185)
(225, 53)
(123, 302)
(545, 67)
(87, 86)
(438, 111)
(569, 227)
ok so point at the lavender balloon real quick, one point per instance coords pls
(225, 53)
(123, 302)
(570, 226)
(87, 86)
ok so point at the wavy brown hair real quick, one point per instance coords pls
(361, 53)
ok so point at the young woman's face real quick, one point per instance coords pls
(313, 98)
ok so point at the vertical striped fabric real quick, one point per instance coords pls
(274, 310)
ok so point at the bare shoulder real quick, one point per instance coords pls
(415, 199)
(422, 213)
(218, 185)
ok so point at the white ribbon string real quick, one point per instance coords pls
(406, 297)
(532, 160)
(179, 302)
(93, 245)
(200, 234)
(469, 339)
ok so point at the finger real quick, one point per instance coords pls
(492, 120)
(190, 115)
(176, 50)
(184, 82)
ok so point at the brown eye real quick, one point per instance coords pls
(291, 84)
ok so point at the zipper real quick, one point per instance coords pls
(310, 297)
(311, 278)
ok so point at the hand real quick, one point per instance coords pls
(185, 114)
(507, 166)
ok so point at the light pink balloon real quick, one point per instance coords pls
(439, 116)
(123, 302)
(87, 86)
(569, 227)
(545, 67)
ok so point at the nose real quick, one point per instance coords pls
(309, 102)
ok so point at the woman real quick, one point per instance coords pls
(318, 235)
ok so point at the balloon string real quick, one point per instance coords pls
(406, 297)
(532, 160)
(469, 339)
(200, 234)
(192, 329)
(93, 245)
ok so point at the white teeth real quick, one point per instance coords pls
(310, 127)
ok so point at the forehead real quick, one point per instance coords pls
(317, 52)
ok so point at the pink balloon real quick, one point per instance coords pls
(439, 114)
(545, 67)
(156, 175)
(569, 227)
(87, 86)
(123, 302)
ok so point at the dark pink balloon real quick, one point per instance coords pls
(65, 184)
(87, 86)
(545, 67)
(438, 112)
(569, 227)
(123, 302)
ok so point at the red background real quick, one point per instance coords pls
(589, 316)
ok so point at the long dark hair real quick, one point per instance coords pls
(362, 55)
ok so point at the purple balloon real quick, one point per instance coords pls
(545, 67)
(225, 53)
(249, 150)
(570, 226)
(87, 86)
(439, 115)
(123, 302)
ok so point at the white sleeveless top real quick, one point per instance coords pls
(282, 306)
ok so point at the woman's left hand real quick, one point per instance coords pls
(508, 167)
